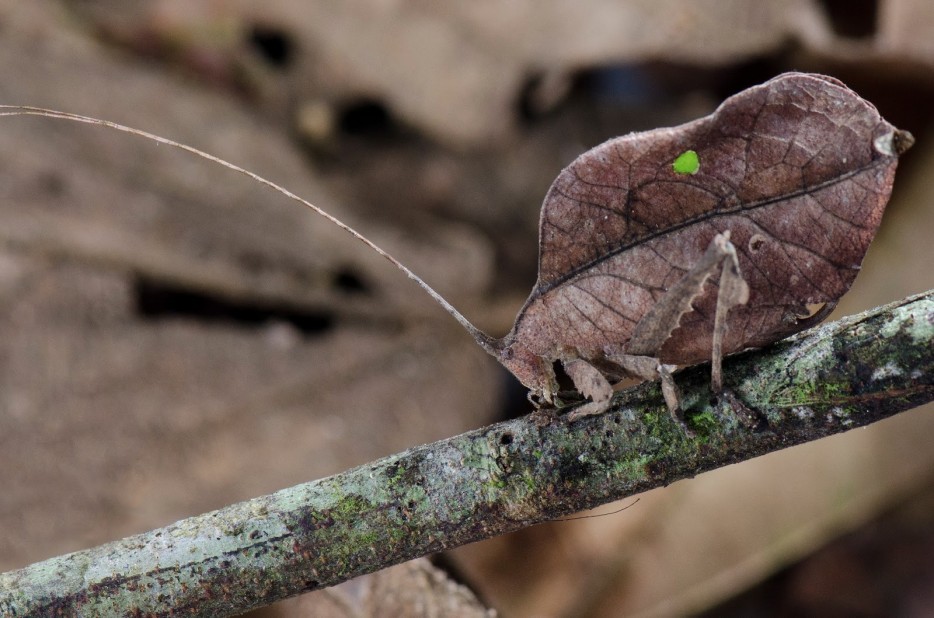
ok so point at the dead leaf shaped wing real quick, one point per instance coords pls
(798, 169)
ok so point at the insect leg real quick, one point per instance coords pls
(589, 382)
(733, 291)
(650, 368)
(662, 319)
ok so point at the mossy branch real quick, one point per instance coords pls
(494, 480)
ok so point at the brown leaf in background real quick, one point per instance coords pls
(471, 62)
(132, 410)
(500, 48)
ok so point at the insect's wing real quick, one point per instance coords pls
(798, 169)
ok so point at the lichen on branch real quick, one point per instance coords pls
(496, 479)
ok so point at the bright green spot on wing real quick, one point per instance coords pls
(686, 163)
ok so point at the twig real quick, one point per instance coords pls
(494, 480)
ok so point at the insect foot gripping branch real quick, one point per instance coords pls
(780, 191)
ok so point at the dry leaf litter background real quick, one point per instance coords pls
(174, 338)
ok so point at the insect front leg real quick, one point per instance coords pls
(589, 382)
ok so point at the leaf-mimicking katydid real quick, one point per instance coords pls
(678, 246)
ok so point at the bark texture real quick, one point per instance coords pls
(494, 480)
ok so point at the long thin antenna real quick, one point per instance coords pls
(485, 341)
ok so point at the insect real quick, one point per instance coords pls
(678, 246)
(779, 191)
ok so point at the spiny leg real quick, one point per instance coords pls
(733, 291)
(649, 368)
(589, 382)
(663, 318)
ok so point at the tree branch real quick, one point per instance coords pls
(494, 480)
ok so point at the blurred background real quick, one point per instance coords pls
(175, 338)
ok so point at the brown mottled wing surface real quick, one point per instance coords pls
(792, 168)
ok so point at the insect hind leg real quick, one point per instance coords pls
(656, 326)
